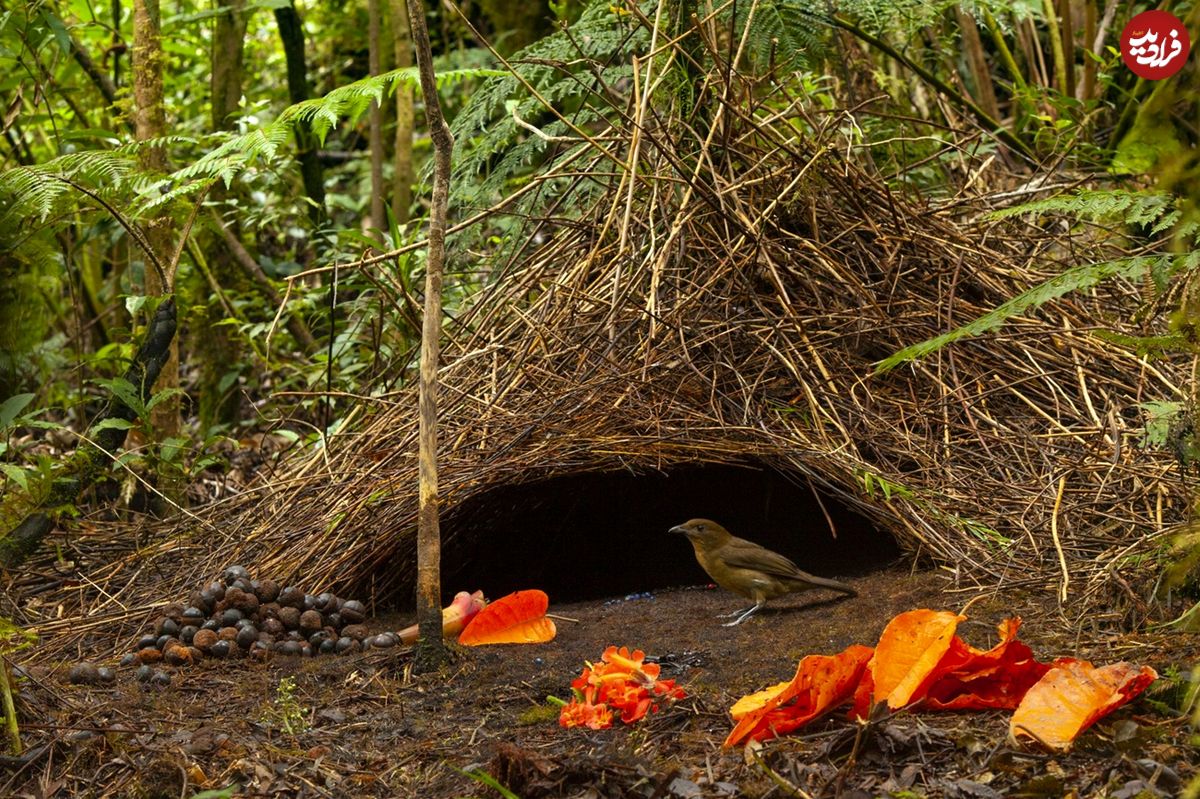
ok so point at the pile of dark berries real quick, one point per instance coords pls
(237, 616)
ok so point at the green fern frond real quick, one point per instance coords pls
(1147, 346)
(1104, 205)
(36, 191)
(562, 68)
(1080, 277)
(351, 100)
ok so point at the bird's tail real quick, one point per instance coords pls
(834, 584)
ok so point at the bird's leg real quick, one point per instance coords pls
(745, 615)
(733, 613)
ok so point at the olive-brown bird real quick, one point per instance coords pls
(748, 569)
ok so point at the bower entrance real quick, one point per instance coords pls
(586, 536)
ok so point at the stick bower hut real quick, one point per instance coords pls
(703, 342)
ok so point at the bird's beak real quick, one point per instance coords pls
(679, 529)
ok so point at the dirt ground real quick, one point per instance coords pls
(363, 725)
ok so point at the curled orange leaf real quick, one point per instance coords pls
(1072, 696)
(822, 682)
(519, 618)
(909, 652)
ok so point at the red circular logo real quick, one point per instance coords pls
(1155, 45)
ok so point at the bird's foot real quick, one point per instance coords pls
(741, 618)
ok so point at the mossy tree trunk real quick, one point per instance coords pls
(218, 350)
(374, 58)
(150, 122)
(402, 177)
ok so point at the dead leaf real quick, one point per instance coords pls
(1072, 696)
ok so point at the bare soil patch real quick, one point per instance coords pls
(372, 729)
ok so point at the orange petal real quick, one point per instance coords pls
(909, 652)
(758, 700)
(1072, 696)
(519, 618)
(822, 682)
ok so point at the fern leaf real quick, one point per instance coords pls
(1080, 277)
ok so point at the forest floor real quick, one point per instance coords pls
(365, 726)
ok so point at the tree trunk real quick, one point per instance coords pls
(219, 349)
(403, 177)
(150, 122)
(228, 46)
(431, 651)
(378, 217)
(291, 33)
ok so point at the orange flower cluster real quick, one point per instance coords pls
(622, 682)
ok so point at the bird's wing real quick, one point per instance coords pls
(742, 554)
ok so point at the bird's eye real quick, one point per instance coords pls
(700, 527)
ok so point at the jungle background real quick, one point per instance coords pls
(267, 166)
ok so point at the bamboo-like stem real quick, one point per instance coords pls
(955, 97)
(977, 59)
(10, 710)
(1056, 45)
(431, 651)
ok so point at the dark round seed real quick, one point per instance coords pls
(267, 590)
(188, 633)
(356, 631)
(83, 674)
(353, 612)
(167, 626)
(204, 640)
(311, 621)
(247, 636)
(129, 659)
(144, 673)
(235, 573)
(291, 597)
(231, 616)
(290, 617)
(220, 649)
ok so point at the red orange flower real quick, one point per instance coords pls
(585, 714)
(621, 682)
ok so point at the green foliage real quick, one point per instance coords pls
(483, 778)
(1153, 212)
(285, 713)
(1074, 279)
(558, 78)
(1157, 212)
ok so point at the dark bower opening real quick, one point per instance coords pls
(588, 536)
